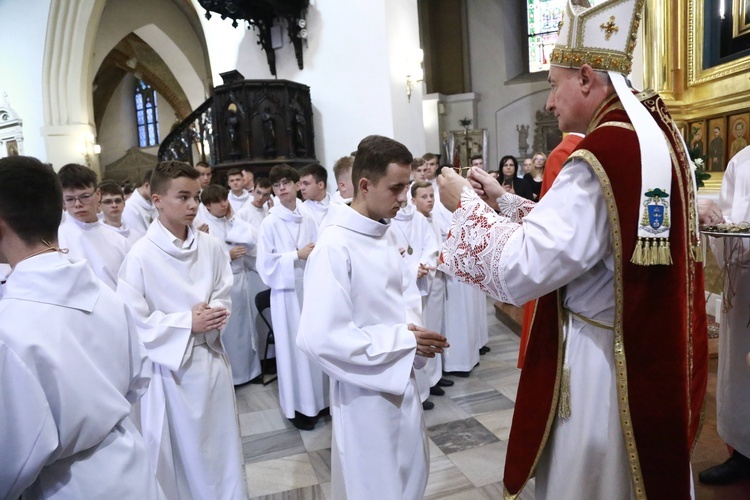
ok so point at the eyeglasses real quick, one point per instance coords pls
(112, 201)
(285, 182)
(85, 199)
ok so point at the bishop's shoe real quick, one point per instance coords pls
(736, 468)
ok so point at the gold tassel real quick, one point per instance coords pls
(563, 409)
(653, 257)
(665, 255)
(698, 253)
(637, 257)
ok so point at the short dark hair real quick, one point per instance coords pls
(111, 188)
(317, 171)
(75, 176)
(23, 178)
(416, 163)
(343, 164)
(374, 154)
(283, 171)
(418, 185)
(429, 156)
(263, 183)
(127, 188)
(476, 157)
(234, 171)
(147, 176)
(165, 171)
(214, 194)
(203, 164)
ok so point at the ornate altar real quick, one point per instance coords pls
(11, 131)
(547, 134)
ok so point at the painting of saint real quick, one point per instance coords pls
(739, 129)
(716, 145)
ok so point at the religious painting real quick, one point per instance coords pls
(696, 139)
(738, 134)
(463, 144)
(12, 148)
(717, 138)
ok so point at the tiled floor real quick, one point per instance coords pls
(468, 430)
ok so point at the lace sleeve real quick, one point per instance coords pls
(514, 207)
(475, 244)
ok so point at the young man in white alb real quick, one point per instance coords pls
(312, 186)
(237, 237)
(69, 359)
(359, 324)
(139, 211)
(342, 171)
(111, 205)
(287, 236)
(177, 282)
(238, 195)
(81, 233)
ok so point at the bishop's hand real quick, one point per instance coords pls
(486, 186)
(451, 184)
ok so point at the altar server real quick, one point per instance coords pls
(112, 203)
(287, 237)
(82, 234)
(358, 325)
(238, 195)
(139, 211)
(237, 237)
(177, 282)
(69, 359)
(312, 187)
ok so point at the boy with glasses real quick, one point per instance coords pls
(286, 239)
(111, 206)
(81, 233)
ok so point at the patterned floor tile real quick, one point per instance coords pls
(445, 479)
(460, 435)
(279, 475)
(321, 462)
(320, 437)
(497, 422)
(314, 492)
(270, 445)
(482, 465)
(483, 402)
(260, 422)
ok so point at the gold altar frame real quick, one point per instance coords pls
(741, 17)
(696, 73)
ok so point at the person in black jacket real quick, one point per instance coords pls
(509, 179)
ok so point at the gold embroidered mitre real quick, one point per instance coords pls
(603, 36)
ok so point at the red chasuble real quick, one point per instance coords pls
(660, 332)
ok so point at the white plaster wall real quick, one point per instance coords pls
(496, 31)
(163, 26)
(22, 36)
(351, 65)
(118, 131)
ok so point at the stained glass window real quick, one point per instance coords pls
(147, 116)
(543, 19)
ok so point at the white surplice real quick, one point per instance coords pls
(103, 249)
(70, 367)
(254, 216)
(317, 209)
(240, 339)
(138, 214)
(188, 412)
(414, 233)
(303, 387)
(123, 231)
(238, 202)
(354, 325)
(733, 376)
(337, 198)
(585, 455)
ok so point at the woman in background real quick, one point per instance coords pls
(534, 178)
(510, 181)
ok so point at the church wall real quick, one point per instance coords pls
(496, 39)
(118, 131)
(22, 40)
(350, 64)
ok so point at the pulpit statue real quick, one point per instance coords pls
(523, 140)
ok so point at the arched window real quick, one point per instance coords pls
(146, 115)
(543, 19)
